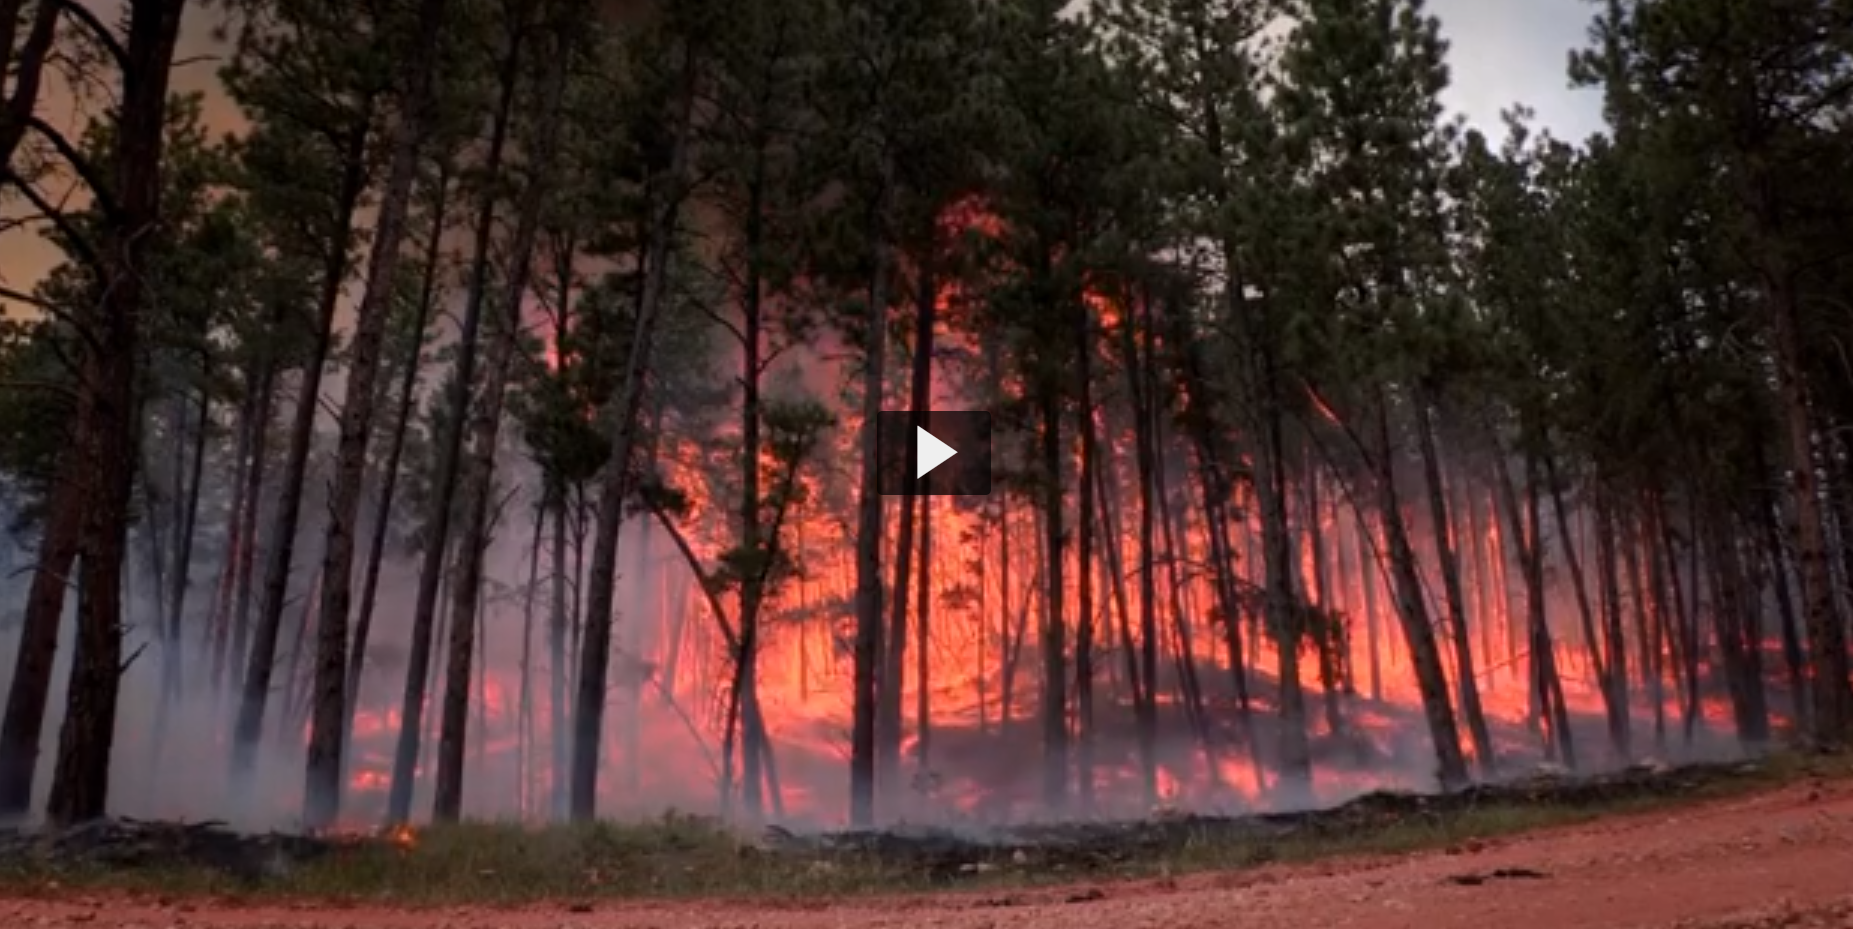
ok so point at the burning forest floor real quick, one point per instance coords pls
(682, 857)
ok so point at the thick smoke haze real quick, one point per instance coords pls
(662, 746)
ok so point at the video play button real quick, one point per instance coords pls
(931, 452)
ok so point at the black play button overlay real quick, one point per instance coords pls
(933, 452)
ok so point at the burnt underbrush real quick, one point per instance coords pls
(678, 855)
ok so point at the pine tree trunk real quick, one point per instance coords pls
(894, 654)
(923, 627)
(249, 728)
(485, 427)
(1694, 637)
(1793, 659)
(1645, 622)
(1344, 601)
(1832, 719)
(751, 504)
(1054, 632)
(1542, 644)
(1084, 562)
(449, 446)
(1329, 638)
(1369, 572)
(1216, 521)
(1614, 644)
(29, 693)
(1447, 553)
(868, 643)
(156, 523)
(183, 548)
(292, 675)
(1280, 597)
(1730, 620)
(219, 623)
(1112, 564)
(1566, 535)
(328, 726)
(249, 521)
(1146, 701)
(557, 665)
(1006, 670)
(428, 684)
(1669, 601)
(389, 478)
(621, 426)
(1486, 619)
(524, 727)
(1418, 631)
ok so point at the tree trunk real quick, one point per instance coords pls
(292, 675)
(751, 503)
(1418, 631)
(925, 320)
(1530, 541)
(1615, 680)
(1281, 600)
(449, 447)
(1832, 721)
(30, 690)
(249, 728)
(219, 624)
(249, 521)
(1054, 632)
(1644, 625)
(894, 651)
(1369, 571)
(106, 430)
(868, 644)
(328, 726)
(1447, 553)
(1694, 638)
(524, 726)
(1730, 621)
(1792, 656)
(183, 549)
(389, 479)
(1112, 564)
(1145, 702)
(923, 627)
(1668, 618)
(595, 649)
(1006, 661)
(485, 428)
(1470, 523)
(1329, 637)
(1084, 563)
(1566, 535)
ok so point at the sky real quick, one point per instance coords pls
(1511, 51)
(1501, 52)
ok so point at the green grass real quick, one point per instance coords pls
(680, 856)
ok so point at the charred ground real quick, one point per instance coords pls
(679, 856)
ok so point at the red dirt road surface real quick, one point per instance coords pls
(1782, 859)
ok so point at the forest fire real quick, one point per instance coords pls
(1341, 452)
(969, 683)
(981, 690)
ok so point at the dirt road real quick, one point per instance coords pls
(1782, 859)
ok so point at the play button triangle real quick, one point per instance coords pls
(930, 452)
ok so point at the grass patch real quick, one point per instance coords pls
(683, 856)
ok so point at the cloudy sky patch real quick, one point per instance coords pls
(1517, 51)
